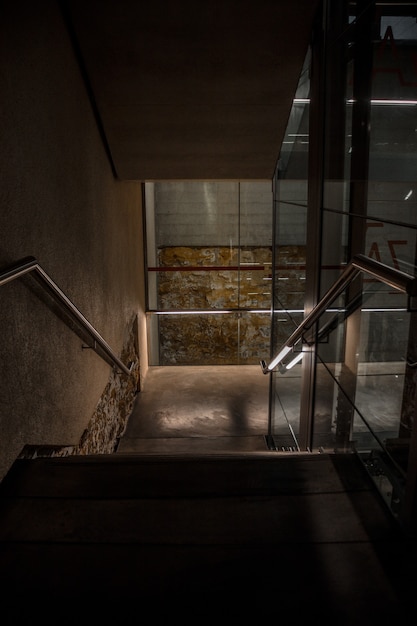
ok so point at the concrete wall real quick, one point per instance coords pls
(61, 204)
(213, 213)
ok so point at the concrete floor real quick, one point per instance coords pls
(199, 409)
(209, 409)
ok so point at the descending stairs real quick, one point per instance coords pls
(130, 539)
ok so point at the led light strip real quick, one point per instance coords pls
(376, 102)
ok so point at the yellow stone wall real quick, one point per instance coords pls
(239, 337)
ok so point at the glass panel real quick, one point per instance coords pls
(363, 393)
(390, 243)
(290, 207)
(192, 232)
(392, 189)
(378, 399)
(196, 214)
(362, 397)
(285, 418)
(393, 146)
(197, 289)
(255, 214)
(285, 397)
(209, 248)
(375, 428)
(255, 251)
(335, 252)
(335, 239)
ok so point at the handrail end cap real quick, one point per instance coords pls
(264, 367)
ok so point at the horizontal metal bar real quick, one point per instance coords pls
(359, 263)
(235, 311)
(30, 264)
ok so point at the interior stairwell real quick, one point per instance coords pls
(197, 537)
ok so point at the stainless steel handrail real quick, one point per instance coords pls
(30, 264)
(360, 263)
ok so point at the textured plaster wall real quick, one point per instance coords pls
(61, 203)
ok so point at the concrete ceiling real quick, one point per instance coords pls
(193, 90)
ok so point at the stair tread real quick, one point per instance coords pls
(192, 445)
(116, 583)
(203, 531)
(129, 476)
(313, 518)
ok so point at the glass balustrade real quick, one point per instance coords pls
(363, 391)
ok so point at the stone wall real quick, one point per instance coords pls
(238, 337)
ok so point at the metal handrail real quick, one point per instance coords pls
(360, 263)
(30, 264)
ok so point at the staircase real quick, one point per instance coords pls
(126, 539)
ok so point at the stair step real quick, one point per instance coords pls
(192, 445)
(257, 520)
(107, 536)
(170, 476)
(199, 500)
(334, 583)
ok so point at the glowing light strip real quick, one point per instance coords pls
(294, 361)
(376, 310)
(281, 354)
(266, 311)
(391, 102)
(376, 102)
(210, 312)
(384, 310)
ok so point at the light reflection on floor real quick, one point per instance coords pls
(231, 404)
